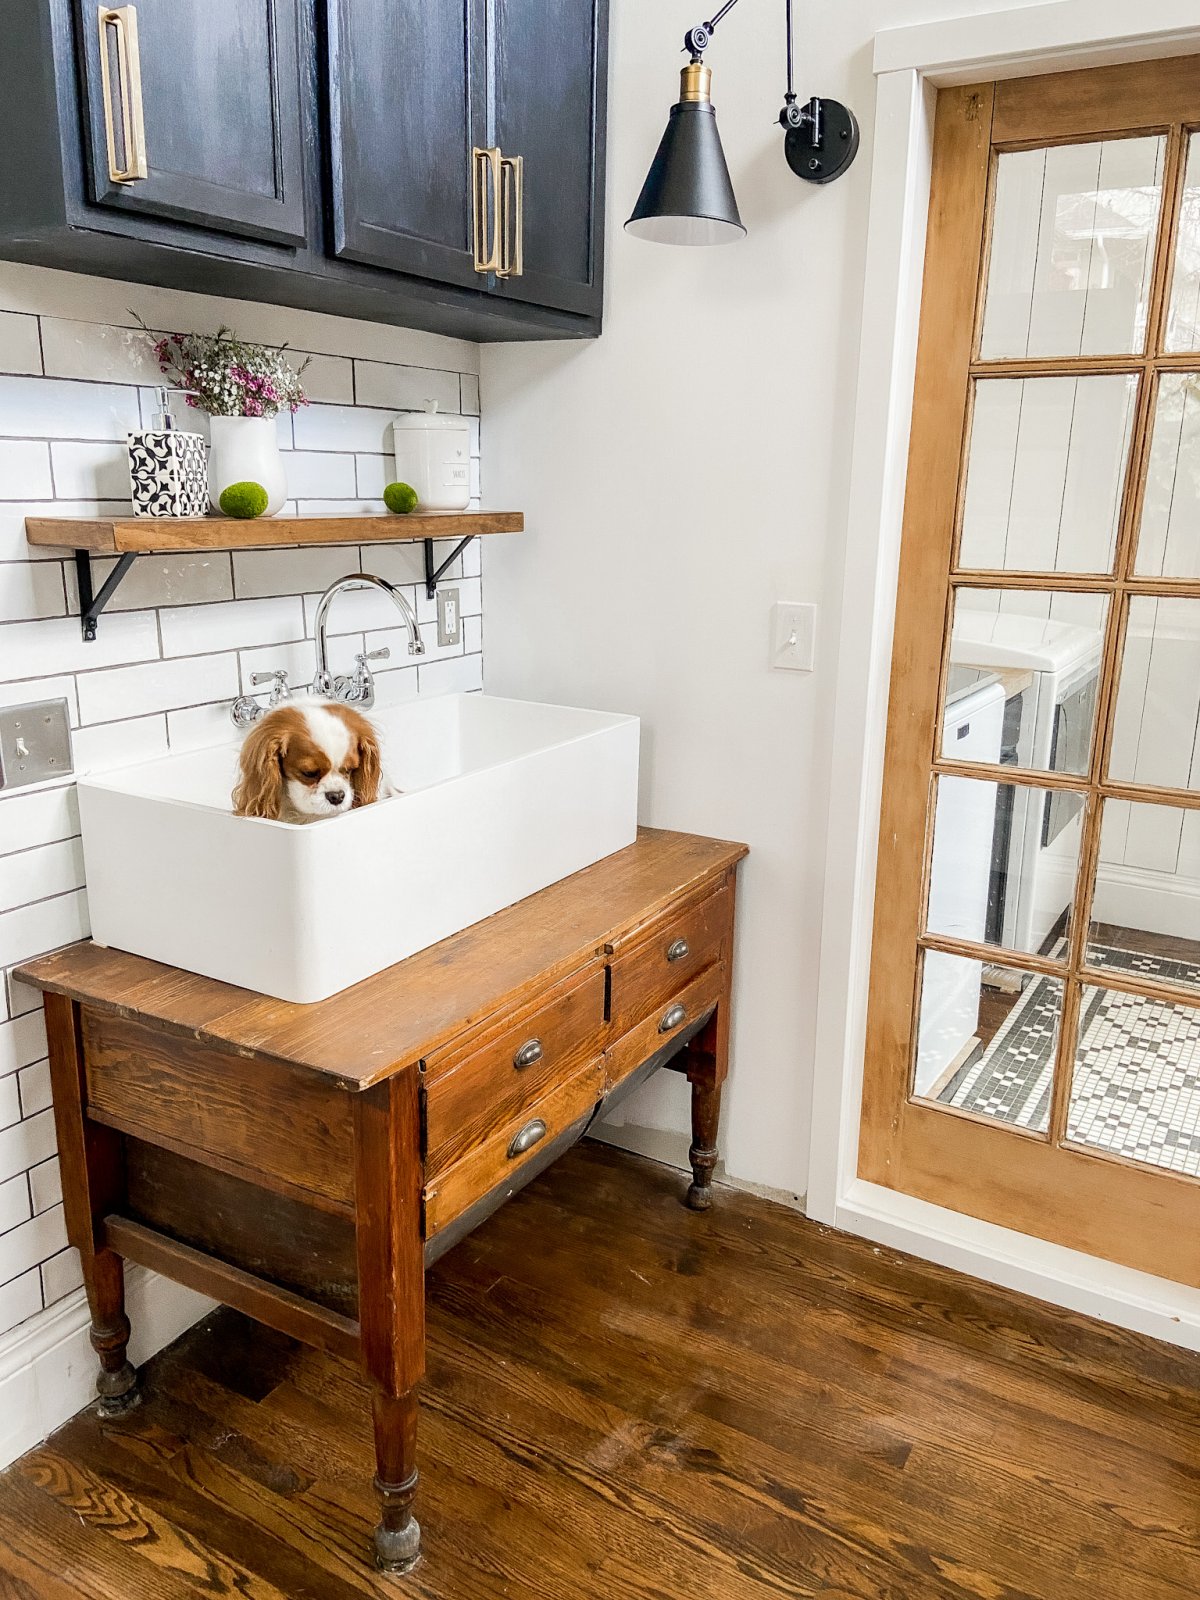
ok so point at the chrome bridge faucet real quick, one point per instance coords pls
(359, 688)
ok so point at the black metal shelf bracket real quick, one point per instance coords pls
(434, 575)
(92, 604)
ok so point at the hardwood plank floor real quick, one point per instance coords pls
(625, 1398)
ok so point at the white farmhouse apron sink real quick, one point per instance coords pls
(500, 798)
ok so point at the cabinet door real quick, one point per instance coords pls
(406, 103)
(549, 97)
(218, 94)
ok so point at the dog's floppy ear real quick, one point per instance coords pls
(366, 777)
(259, 790)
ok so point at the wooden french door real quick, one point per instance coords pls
(1033, 1053)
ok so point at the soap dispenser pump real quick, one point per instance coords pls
(168, 466)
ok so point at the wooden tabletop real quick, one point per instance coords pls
(392, 1019)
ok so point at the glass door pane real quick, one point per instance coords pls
(1169, 540)
(1145, 918)
(1072, 249)
(1156, 735)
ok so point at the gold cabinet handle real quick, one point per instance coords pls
(485, 220)
(119, 23)
(512, 217)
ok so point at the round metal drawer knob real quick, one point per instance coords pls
(672, 1018)
(529, 1052)
(532, 1133)
(679, 950)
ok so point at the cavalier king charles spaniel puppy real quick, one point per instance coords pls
(300, 763)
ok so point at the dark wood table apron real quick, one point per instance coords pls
(305, 1163)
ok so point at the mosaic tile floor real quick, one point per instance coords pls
(1137, 1080)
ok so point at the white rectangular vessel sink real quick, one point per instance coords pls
(500, 798)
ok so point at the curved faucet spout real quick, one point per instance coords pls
(323, 683)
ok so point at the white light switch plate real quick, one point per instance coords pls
(793, 635)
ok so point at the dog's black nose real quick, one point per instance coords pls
(335, 796)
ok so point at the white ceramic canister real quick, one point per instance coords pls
(433, 454)
(246, 450)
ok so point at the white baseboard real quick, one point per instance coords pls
(48, 1367)
(1049, 1272)
(1135, 897)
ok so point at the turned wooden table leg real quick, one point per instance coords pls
(391, 1301)
(93, 1180)
(706, 1063)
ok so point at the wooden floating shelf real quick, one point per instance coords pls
(129, 537)
(113, 536)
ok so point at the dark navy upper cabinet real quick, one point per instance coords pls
(406, 107)
(193, 112)
(433, 163)
(549, 77)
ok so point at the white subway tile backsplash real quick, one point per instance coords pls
(179, 637)
(34, 1084)
(157, 686)
(30, 589)
(22, 1042)
(61, 1276)
(188, 630)
(84, 471)
(472, 635)
(374, 473)
(378, 383)
(25, 470)
(32, 649)
(198, 727)
(33, 874)
(20, 347)
(33, 1241)
(20, 1299)
(454, 676)
(327, 378)
(14, 1203)
(119, 744)
(319, 475)
(161, 580)
(57, 409)
(34, 929)
(398, 563)
(26, 1143)
(98, 352)
(27, 820)
(258, 573)
(343, 428)
(45, 1185)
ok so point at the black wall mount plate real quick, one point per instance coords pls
(838, 147)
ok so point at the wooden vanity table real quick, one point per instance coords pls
(305, 1163)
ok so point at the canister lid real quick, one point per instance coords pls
(429, 419)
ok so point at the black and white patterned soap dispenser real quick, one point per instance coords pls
(168, 467)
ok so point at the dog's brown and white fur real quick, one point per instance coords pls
(300, 763)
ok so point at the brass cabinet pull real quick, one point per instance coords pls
(678, 950)
(485, 219)
(672, 1018)
(529, 1052)
(121, 23)
(512, 217)
(532, 1133)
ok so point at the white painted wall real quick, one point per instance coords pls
(678, 476)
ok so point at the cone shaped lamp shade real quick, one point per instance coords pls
(687, 197)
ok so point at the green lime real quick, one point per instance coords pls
(400, 498)
(244, 500)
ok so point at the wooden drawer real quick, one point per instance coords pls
(662, 960)
(491, 1163)
(469, 1097)
(668, 1020)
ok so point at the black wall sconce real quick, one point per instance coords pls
(687, 197)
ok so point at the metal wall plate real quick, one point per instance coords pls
(35, 743)
(449, 617)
